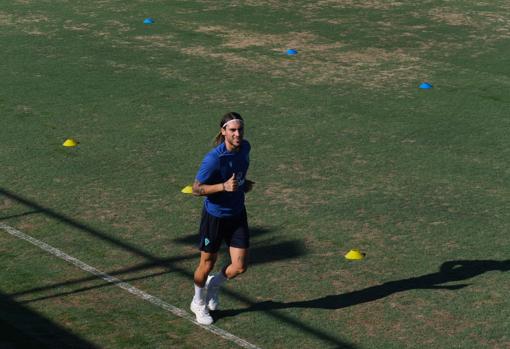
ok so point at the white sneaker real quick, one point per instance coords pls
(212, 299)
(202, 313)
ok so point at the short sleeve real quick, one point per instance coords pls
(208, 169)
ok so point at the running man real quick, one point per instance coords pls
(222, 180)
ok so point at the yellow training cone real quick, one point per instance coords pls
(70, 143)
(187, 189)
(354, 255)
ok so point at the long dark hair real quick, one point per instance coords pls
(226, 118)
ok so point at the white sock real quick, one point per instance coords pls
(199, 297)
(217, 280)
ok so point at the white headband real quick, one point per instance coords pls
(228, 122)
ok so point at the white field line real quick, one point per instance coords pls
(125, 286)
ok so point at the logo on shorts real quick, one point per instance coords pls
(206, 241)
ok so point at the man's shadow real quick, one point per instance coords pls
(448, 272)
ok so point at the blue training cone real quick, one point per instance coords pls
(291, 52)
(148, 21)
(425, 85)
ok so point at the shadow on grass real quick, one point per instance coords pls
(260, 251)
(259, 254)
(19, 215)
(193, 238)
(448, 272)
(23, 328)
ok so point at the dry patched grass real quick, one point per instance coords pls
(80, 27)
(24, 109)
(316, 5)
(501, 22)
(240, 39)
(273, 4)
(371, 67)
(6, 203)
(32, 24)
(112, 30)
(450, 17)
(362, 4)
(32, 18)
(118, 25)
(334, 63)
(486, 26)
(6, 19)
(156, 41)
(318, 62)
(9, 19)
(41, 24)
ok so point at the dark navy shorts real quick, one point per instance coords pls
(233, 230)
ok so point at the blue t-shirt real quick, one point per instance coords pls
(217, 167)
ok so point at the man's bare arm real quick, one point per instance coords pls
(200, 189)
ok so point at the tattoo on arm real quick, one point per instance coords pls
(197, 188)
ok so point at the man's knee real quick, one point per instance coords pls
(207, 262)
(206, 268)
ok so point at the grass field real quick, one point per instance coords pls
(347, 152)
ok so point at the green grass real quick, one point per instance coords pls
(347, 152)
